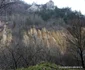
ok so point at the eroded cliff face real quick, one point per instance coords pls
(45, 37)
(36, 37)
(5, 34)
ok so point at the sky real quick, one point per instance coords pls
(78, 5)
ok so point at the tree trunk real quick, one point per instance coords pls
(82, 60)
(14, 61)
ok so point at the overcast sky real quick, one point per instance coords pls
(78, 5)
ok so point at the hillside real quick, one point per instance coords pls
(30, 34)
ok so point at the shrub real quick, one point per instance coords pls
(42, 66)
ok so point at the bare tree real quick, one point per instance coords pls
(76, 38)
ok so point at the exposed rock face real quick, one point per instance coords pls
(34, 7)
(36, 37)
(43, 36)
(5, 34)
(50, 5)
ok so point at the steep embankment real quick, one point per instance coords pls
(49, 38)
(37, 37)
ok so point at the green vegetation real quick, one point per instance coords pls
(45, 66)
(42, 66)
